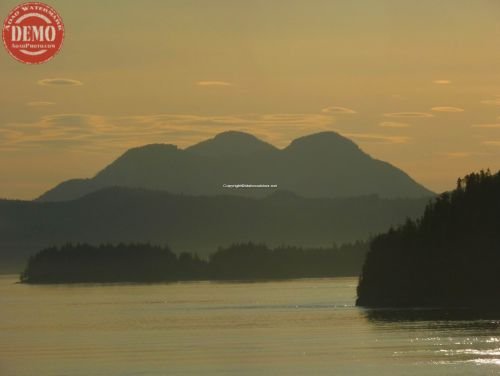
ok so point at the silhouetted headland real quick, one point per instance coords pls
(146, 263)
(450, 257)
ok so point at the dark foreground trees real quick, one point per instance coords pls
(146, 263)
(448, 258)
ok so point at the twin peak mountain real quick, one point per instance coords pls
(324, 164)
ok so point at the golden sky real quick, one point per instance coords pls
(415, 83)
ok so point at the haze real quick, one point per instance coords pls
(414, 83)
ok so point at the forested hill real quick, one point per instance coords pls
(448, 257)
(194, 223)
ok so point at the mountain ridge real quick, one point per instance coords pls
(197, 224)
(323, 164)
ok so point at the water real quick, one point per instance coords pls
(301, 327)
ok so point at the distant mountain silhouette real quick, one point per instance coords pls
(319, 165)
(233, 144)
(194, 223)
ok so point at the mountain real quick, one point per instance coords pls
(448, 258)
(231, 144)
(320, 165)
(193, 223)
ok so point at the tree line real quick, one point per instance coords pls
(449, 257)
(78, 263)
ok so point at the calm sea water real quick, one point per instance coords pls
(302, 327)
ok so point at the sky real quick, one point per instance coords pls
(414, 83)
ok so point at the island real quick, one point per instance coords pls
(450, 257)
(85, 263)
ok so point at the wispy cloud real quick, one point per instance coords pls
(393, 124)
(447, 109)
(377, 138)
(442, 82)
(493, 102)
(40, 104)
(59, 82)
(336, 110)
(408, 115)
(71, 121)
(214, 83)
(456, 154)
(103, 133)
(96, 132)
(492, 143)
(492, 125)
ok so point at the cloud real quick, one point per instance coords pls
(59, 82)
(393, 124)
(214, 83)
(493, 102)
(408, 115)
(40, 104)
(442, 82)
(104, 133)
(97, 133)
(456, 154)
(447, 109)
(336, 110)
(73, 120)
(491, 143)
(377, 138)
(492, 125)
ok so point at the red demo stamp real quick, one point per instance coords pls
(33, 33)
